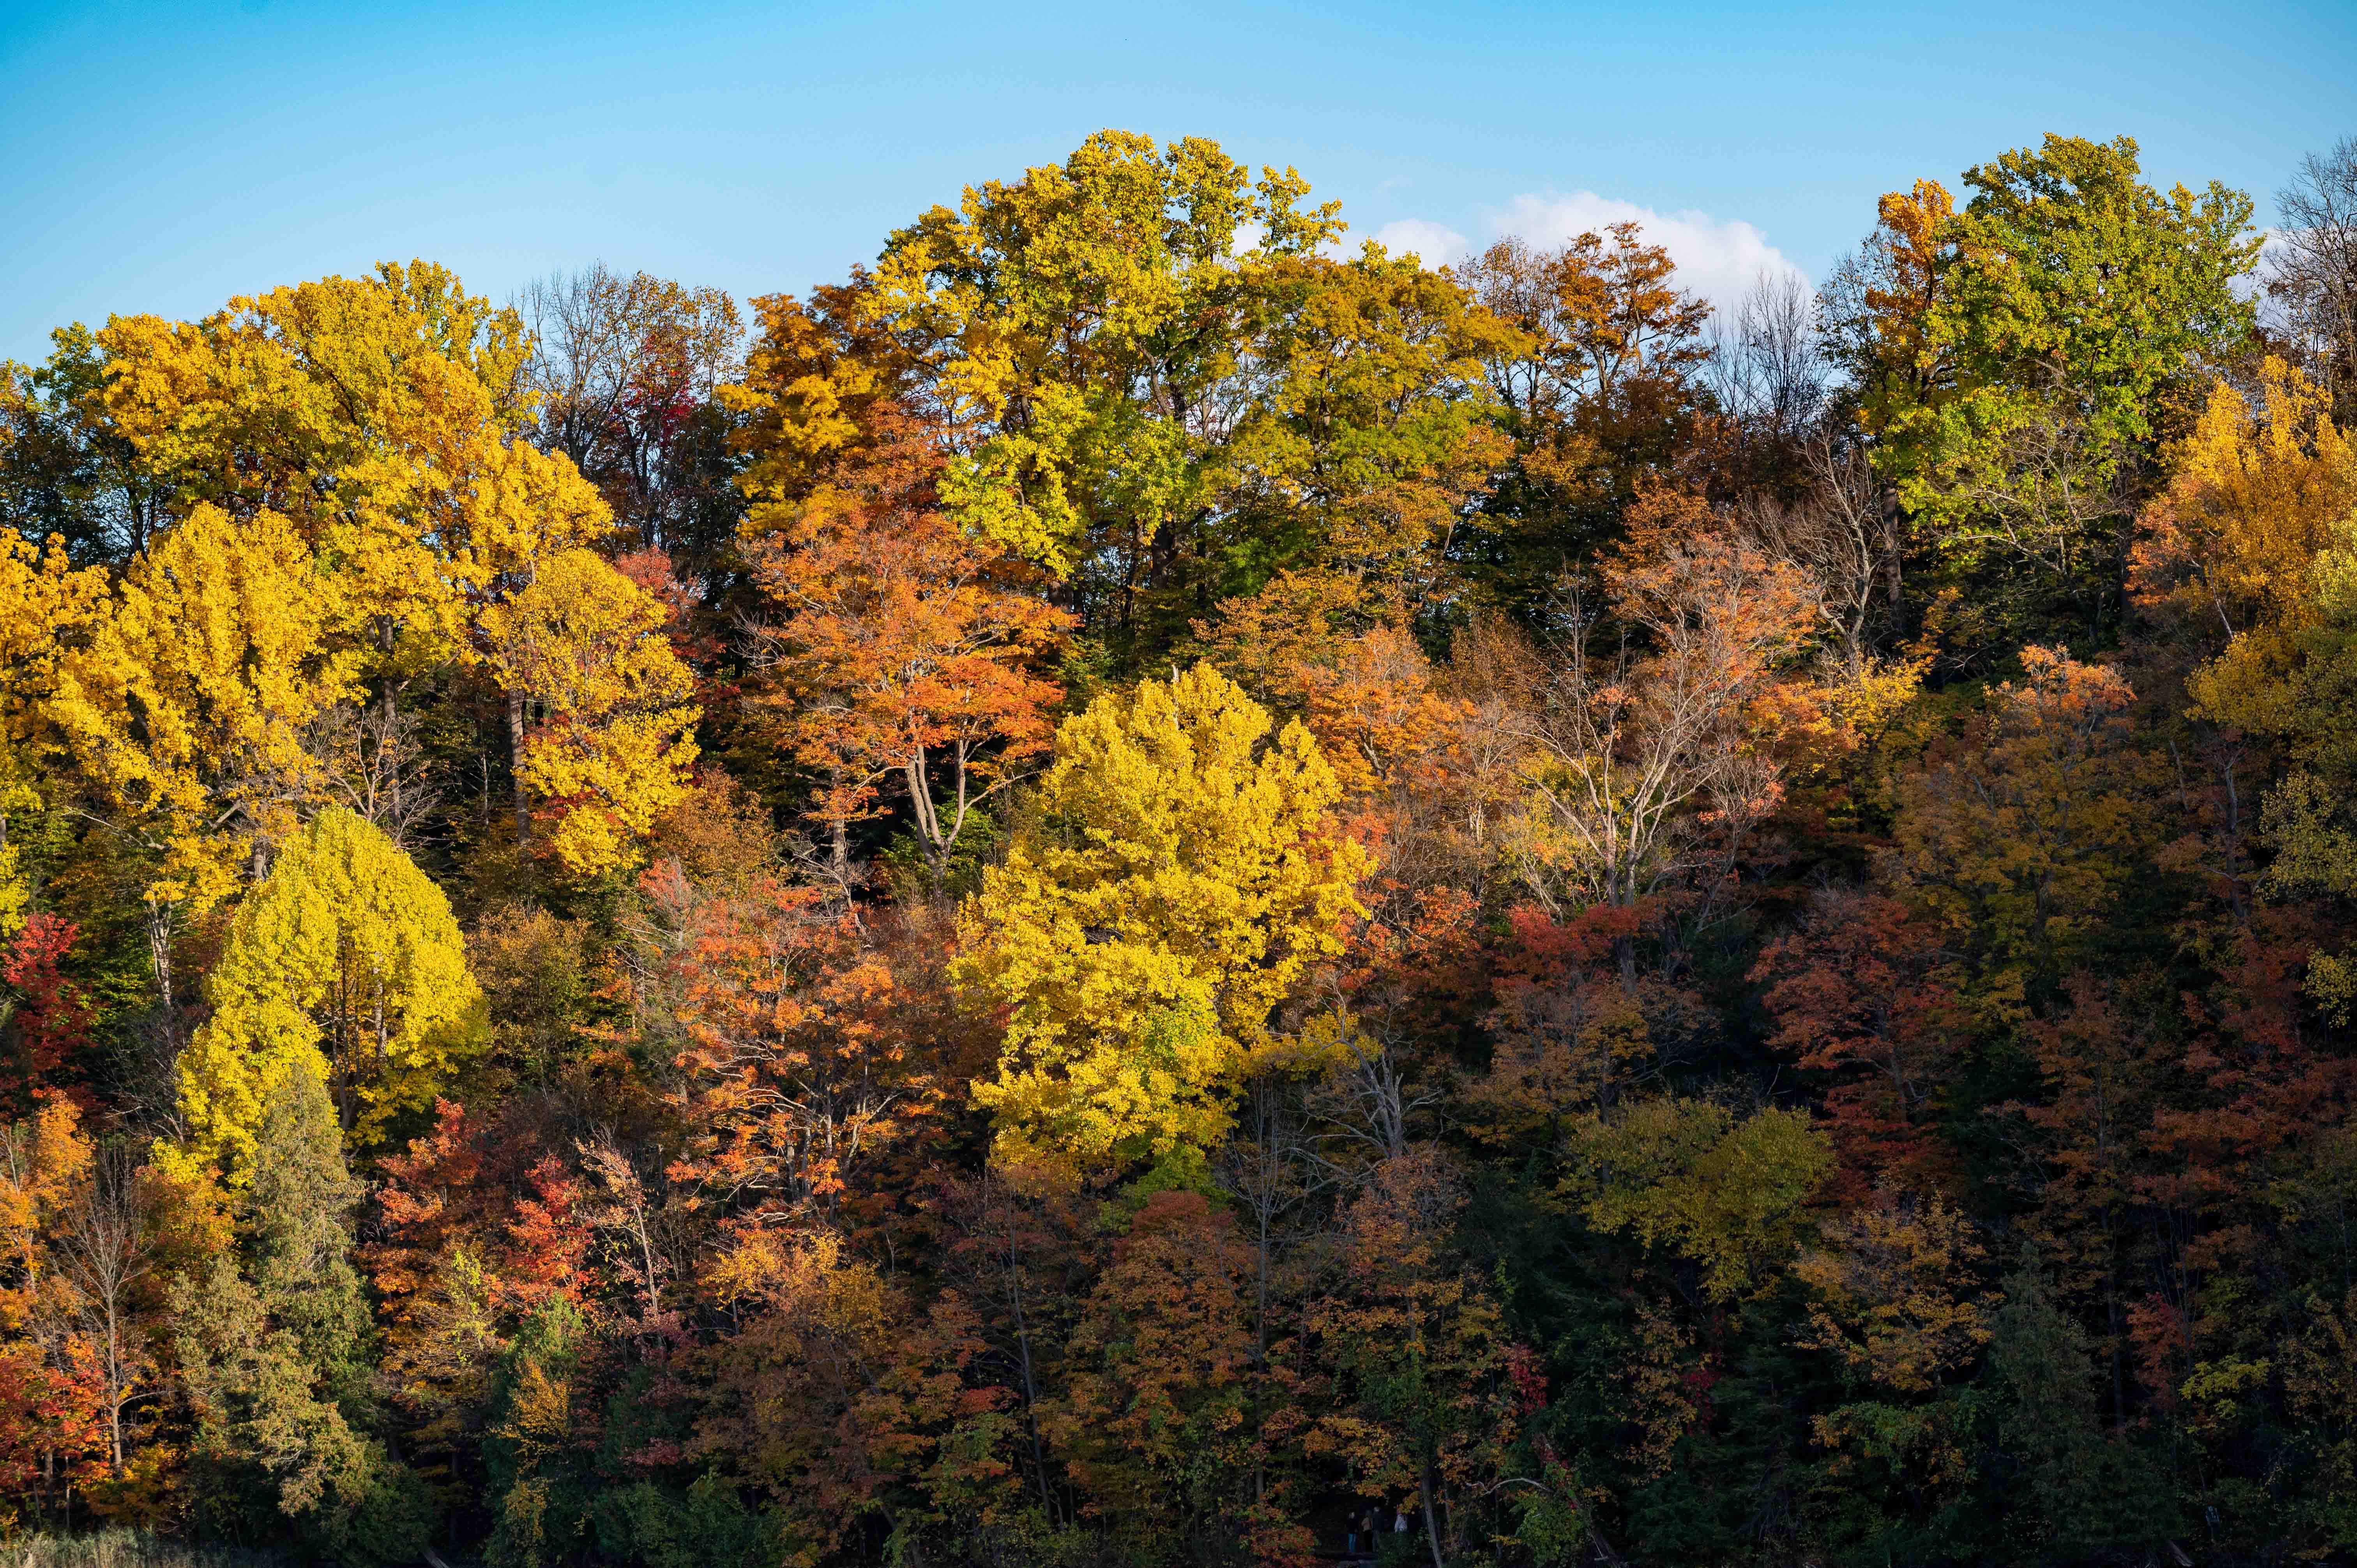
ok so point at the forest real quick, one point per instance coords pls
(1146, 886)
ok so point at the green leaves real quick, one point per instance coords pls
(1726, 1194)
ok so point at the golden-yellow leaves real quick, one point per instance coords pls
(181, 698)
(614, 748)
(345, 960)
(1179, 877)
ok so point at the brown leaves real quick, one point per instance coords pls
(1897, 1292)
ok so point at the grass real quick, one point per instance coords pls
(120, 1548)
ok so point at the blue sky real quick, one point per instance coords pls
(161, 157)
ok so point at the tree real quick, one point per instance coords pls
(1894, 1293)
(104, 1247)
(1050, 299)
(76, 1239)
(379, 413)
(1725, 1193)
(2313, 277)
(906, 647)
(2019, 832)
(181, 700)
(1877, 311)
(1651, 753)
(1416, 1404)
(2234, 543)
(2077, 304)
(1864, 991)
(344, 965)
(1151, 384)
(614, 744)
(1895, 1299)
(2252, 538)
(625, 371)
(1179, 877)
(65, 470)
(272, 1345)
(51, 1017)
(382, 416)
(795, 1071)
(474, 1237)
(1595, 384)
(1163, 1418)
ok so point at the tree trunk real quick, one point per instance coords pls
(515, 762)
(160, 954)
(1431, 1521)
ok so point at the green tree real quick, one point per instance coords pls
(274, 1341)
(1154, 385)
(65, 469)
(2075, 312)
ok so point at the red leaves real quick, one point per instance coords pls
(1864, 992)
(52, 1021)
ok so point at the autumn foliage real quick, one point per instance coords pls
(1143, 888)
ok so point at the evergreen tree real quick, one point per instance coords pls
(273, 1343)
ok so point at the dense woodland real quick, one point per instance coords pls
(1144, 883)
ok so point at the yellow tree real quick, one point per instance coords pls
(180, 702)
(614, 746)
(380, 413)
(2257, 536)
(175, 702)
(2258, 497)
(346, 962)
(1181, 875)
(384, 416)
(42, 595)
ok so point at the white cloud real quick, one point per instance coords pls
(1721, 261)
(1436, 245)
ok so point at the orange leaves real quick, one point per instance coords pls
(906, 647)
(1602, 309)
(1903, 262)
(1376, 711)
(794, 1068)
(1417, 1395)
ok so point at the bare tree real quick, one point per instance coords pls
(1272, 1169)
(375, 768)
(625, 370)
(1648, 774)
(1841, 538)
(2312, 269)
(102, 1245)
(627, 1211)
(1767, 365)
